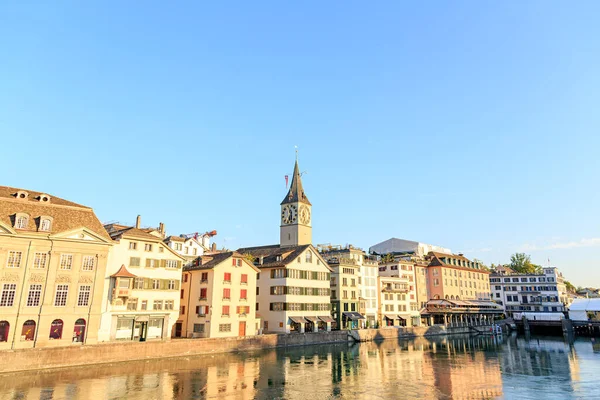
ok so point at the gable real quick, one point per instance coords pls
(81, 234)
(6, 228)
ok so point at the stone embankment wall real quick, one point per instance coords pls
(58, 357)
(114, 352)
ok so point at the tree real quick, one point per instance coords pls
(386, 258)
(481, 264)
(521, 263)
(570, 287)
(250, 258)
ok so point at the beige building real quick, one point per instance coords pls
(397, 306)
(293, 284)
(142, 286)
(53, 255)
(455, 277)
(219, 297)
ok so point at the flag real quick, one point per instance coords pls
(196, 235)
(286, 181)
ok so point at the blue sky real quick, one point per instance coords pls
(472, 125)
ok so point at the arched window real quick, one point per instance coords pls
(79, 330)
(4, 328)
(28, 332)
(56, 329)
(452, 297)
(22, 222)
(447, 298)
(309, 256)
(436, 297)
(45, 224)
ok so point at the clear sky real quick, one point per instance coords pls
(471, 125)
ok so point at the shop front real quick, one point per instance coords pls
(351, 319)
(325, 323)
(139, 328)
(297, 324)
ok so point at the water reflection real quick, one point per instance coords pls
(440, 368)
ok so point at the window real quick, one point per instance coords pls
(244, 279)
(204, 277)
(147, 247)
(161, 249)
(226, 294)
(14, 259)
(144, 305)
(132, 245)
(8, 294)
(28, 332)
(186, 250)
(151, 263)
(243, 294)
(40, 260)
(138, 283)
(309, 256)
(158, 305)
(195, 252)
(66, 261)
(132, 304)
(436, 282)
(88, 263)
(225, 311)
(243, 310)
(198, 328)
(45, 225)
(171, 264)
(33, 297)
(21, 222)
(178, 246)
(227, 277)
(171, 285)
(134, 261)
(155, 284)
(56, 329)
(224, 327)
(60, 298)
(124, 283)
(181, 294)
(169, 304)
(83, 300)
(203, 293)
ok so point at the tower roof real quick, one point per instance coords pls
(296, 192)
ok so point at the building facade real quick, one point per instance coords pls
(545, 292)
(397, 301)
(53, 256)
(293, 290)
(455, 277)
(190, 246)
(142, 293)
(219, 297)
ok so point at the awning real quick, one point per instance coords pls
(402, 318)
(327, 319)
(312, 319)
(391, 317)
(298, 320)
(354, 316)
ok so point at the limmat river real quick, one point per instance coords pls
(438, 368)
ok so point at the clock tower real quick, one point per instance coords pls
(296, 228)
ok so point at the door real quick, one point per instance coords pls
(178, 329)
(242, 328)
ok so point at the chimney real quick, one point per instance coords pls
(261, 260)
(161, 229)
(138, 221)
(213, 248)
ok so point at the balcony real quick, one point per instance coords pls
(121, 292)
(202, 299)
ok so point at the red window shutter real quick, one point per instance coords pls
(197, 309)
(233, 261)
(244, 278)
(203, 293)
(181, 295)
(243, 294)
(226, 293)
(225, 310)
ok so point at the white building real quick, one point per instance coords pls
(585, 310)
(400, 246)
(142, 286)
(190, 246)
(398, 296)
(293, 290)
(545, 292)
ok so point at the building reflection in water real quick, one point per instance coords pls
(438, 368)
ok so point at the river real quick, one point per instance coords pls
(438, 368)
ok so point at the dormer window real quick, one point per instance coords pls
(45, 224)
(44, 198)
(21, 194)
(21, 221)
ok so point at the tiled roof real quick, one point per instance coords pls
(296, 192)
(436, 260)
(174, 239)
(211, 260)
(134, 232)
(123, 273)
(277, 256)
(66, 215)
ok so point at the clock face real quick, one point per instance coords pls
(289, 214)
(304, 215)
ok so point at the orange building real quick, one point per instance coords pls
(455, 277)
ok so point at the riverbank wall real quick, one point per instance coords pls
(115, 352)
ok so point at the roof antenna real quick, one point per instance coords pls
(296, 148)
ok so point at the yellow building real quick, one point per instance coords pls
(219, 297)
(142, 286)
(53, 256)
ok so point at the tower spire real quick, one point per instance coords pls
(296, 192)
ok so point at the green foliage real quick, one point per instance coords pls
(386, 258)
(521, 263)
(570, 287)
(250, 258)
